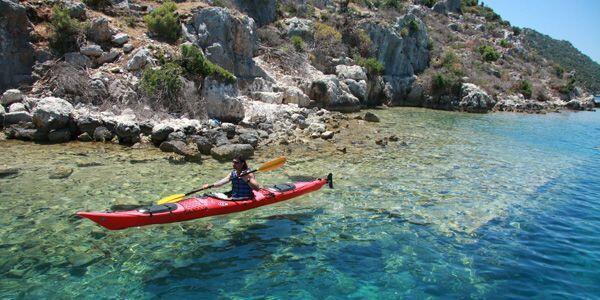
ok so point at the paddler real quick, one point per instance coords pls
(241, 184)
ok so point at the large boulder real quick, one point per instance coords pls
(222, 102)
(78, 59)
(17, 117)
(229, 152)
(227, 39)
(76, 9)
(350, 72)
(16, 52)
(402, 48)
(262, 11)
(128, 131)
(52, 113)
(92, 50)
(300, 27)
(583, 103)
(11, 96)
(103, 134)
(474, 99)
(139, 59)
(181, 148)
(160, 133)
(100, 31)
(294, 95)
(330, 93)
(88, 123)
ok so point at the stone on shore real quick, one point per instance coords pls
(371, 117)
(17, 117)
(102, 134)
(52, 113)
(474, 99)
(11, 96)
(229, 152)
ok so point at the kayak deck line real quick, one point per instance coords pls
(203, 206)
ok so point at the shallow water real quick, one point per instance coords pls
(460, 206)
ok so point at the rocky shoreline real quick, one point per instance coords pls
(261, 76)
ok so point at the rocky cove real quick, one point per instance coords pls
(271, 72)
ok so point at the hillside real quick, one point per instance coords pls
(566, 57)
(223, 72)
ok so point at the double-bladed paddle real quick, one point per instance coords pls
(268, 166)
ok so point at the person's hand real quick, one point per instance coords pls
(205, 186)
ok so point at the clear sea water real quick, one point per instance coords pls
(461, 206)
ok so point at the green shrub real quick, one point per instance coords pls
(219, 3)
(392, 3)
(66, 31)
(374, 67)
(364, 42)
(163, 82)
(488, 53)
(524, 87)
(429, 3)
(516, 30)
(404, 32)
(505, 43)
(469, 2)
(430, 44)
(298, 43)
(413, 25)
(194, 62)
(569, 87)
(445, 85)
(324, 32)
(559, 70)
(164, 22)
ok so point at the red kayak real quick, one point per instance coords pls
(200, 207)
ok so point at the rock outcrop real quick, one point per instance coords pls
(402, 48)
(474, 99)
(222, 101)
(227, 40)
(262, 11)
(16, 52)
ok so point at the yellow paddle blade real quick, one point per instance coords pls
(272, 165)
(172, 198)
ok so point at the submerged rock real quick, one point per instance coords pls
(7, 172)
(228, 152)
(61, 172)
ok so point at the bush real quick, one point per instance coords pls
(392, 3)
(488, 53)
(559, 70)
(164, 22)
(524, 87)
(569, 87)
(374, 67)
(445, 85)
(430, 44)
(163, 82)
(194, 62)
(469, 2)
(429, 3)
(324, 32)
(66, 31)
(413, 25)
(516, 30)
(505, 43)
(298, 43)
(364, 42)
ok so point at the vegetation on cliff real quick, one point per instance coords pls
(567, 57)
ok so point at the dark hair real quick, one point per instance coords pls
(242, 160)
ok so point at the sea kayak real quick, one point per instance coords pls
(200, 207)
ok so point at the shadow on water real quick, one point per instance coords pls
(220, 261)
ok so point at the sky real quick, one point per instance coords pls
(577, 21)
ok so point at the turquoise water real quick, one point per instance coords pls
(461, 206)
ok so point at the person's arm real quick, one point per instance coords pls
(251, 180)
(219, 183)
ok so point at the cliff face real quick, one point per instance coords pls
(16, 52)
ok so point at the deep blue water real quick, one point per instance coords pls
(471, 206)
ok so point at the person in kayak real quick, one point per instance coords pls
(241, 186)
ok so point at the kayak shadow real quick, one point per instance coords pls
(222, 258)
